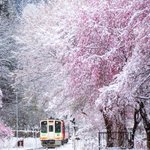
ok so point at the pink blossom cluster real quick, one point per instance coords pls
(5, 131)
(107, 36)
(82, 52)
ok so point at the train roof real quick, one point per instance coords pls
(52, 119)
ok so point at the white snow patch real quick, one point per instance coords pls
(31, 144)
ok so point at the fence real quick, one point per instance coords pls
(114, 139)
(26, 133)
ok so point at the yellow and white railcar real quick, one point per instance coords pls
(53, 133)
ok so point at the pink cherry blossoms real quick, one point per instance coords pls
(100, 49)
(105, 40)
(5, 131)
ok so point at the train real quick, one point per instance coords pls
(53, 132)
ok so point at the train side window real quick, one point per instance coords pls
(51, 128)
(57, 126)
(44, 127)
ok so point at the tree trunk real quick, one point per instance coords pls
(109, 125)
(146, 123)
(148, 139)
(116, 132)
(137, 120)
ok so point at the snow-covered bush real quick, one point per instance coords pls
(5, 132)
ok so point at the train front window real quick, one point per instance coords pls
(44, 126)
(57, 126)
(51, 128)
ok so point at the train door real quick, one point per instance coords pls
(51, 128)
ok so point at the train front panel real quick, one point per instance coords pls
(52, 133)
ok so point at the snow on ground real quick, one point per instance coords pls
(11, 144)
(35, 144)
(32, 144)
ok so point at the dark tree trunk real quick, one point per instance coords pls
(116, 132)
(146, 123)
(148, 140)
(109, 125)
(137, 120)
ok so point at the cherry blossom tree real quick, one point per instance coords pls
(5, 131)
(41, 57)
(134, 74)
(85, 55)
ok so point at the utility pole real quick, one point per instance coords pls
(74, 138)
(17, 117)
(74, 133)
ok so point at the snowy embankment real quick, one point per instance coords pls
(35, 144)
(11, 144)
(32, 144)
